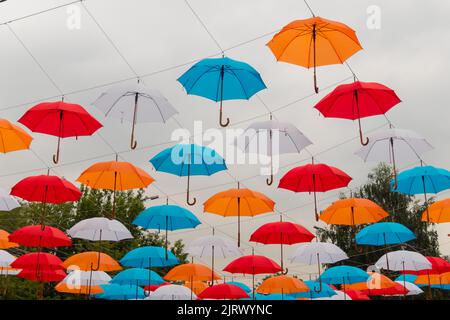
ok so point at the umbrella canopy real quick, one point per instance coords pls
(223, 291)
(314, 42)
(118, 292)
(272, 296)
(352, 212)
(4, 241)
(148, 257)
(91, 261)
(384, 233)
(197, 286)
(394, 290)
(191, 272)
(314, 178)
(243, 286)
(438, 266)
(39, 236)
(282, 284)
(238, 202)
(344, 275)
(153, 287)
(78, 278)
(434, 279)
(7, 203)
(338, 296)
(412, 289)
(87, 290)
(12, 137)
(403, 260)
(166, 217)
(42, 275)
(220, 79)
(60, 119)
(376, 284)
(137, 276)
(316, 290)
(289, 139)
(407, 278)
(136, 104)
(311, 253)
(37, 260)
(438, 212)
(188, 160)
(6, 259)
(356, 295)
(172, 292)
(99, 228)
(357, 100)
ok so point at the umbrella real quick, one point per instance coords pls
(4, 241)
(281, 233)
(289, 139)
(98, 229)
(137, 276)
(356, 295)
(153, 287)
(40, 236)
(91, 261)
(438, 266)
(238, 202)
(282, 284)
(60, 119)
(358, 100)
(394, 145)
(422, 180)
(7, 203)
(318, 252)
(376, 285)
(115, 175)
(316, 290)
(243, 286)
(44, 275)
(86, 290)
(220, 79)
(431, 280)
(83, 282)
(223, 291)
(213, 246)
(136, 104)
(166, 217)
(148, 257)
(188, 160)
(172, 292)
(314, 42)
(338, 296)
(197, 286)
(412, 289)
(272, 296)
(6, 259)
(314, 178)
(13, 137)
(253, 264)
(407, 278)
(118, 292)
(438, 212)
(343, 275)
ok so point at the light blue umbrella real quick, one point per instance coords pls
(438, 286)
(344, 275)
(148, 257)
(188, 160)
(137, 276)
(166, 217)
(220, 79)
(316, 290)
(120, 292)
(384, 233)
(241, 285)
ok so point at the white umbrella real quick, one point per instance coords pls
(338, 296)
(290, 139)
(394, 146)
(411, 287)
(318, 252)
(401, 260)
(172, 292)
(77, 278)
(98, 229)
(136, 104)
(6, 259)
(7, 203)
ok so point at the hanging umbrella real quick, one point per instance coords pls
(243, 286)
(137, 276)
(356, 294)
(172, 292)
(437, 279)
(188, 160)
(4, 241)
(238, 202)
(438, 266)
(118, 292)
(166, 217)
(6, 259)
(281, 233)
(394, 146)
(223, 291)
(40, 236)
(289, 140)
(343, 275)
(357, 100)
(338, 296)
(7, 203)
(438, 212)
(253, 264)
(214, 247)
(43, 275)
(83, 282)
(99, 229)
(153, 287)
(220, 79)
(314, 178)
(318, 252)
(422, 180)
(316, 290)
(407, 278)
(197, 286)
(283, 285)
(86, 290)
(37, 262)
(91, 261)
(148, 257)
(412, 289)
(13, 137)
(376, 285)
(136, 104)
(60, 119)
(272, 297)
(115, 176)
(314, 42)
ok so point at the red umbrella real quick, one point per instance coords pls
(42, 275)
(223, 291)
(60, 119)
(281, 233)
(40, 236)
(153, 287)
(398, 289)
(314, 178)
(357, 100)
(438, 266)
(253, 264)
(356, 294)
(41, 260)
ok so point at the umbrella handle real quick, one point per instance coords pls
(223, 125)
(320, 287)
(358, 249)
(269, 181)
(316, 89)
(56, 156)
(285, 271)
(361, 139)
(133, 143)
(190, 202)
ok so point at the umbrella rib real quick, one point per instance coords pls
(240, 83)
(115, 102)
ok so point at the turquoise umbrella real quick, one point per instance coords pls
(344, 275)
(316, 290)
(119, 292)
(137, 277)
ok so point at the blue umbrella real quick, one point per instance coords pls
(148, 257)
(316, 290)
(118, 292)
(422, 180)
(384, 233)
(189, 160)
(167, 217)
(241, 285)
(137, 276)
(221, 79)
(438, 286)
(344, 275)
(408, 278)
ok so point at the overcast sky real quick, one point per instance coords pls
(409, 53)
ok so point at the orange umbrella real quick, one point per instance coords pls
(4, 241)
(439, 212)
(238, 202)
(376, 281)
(63, 287)
(314, 42)
(12, 137)
(433, 279)
(91, 261)
(115, 175)
(196, 286)
(352, 212)
(282, 284)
